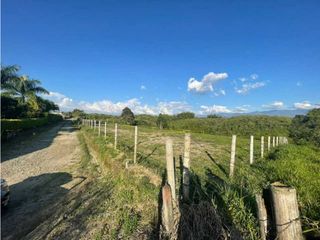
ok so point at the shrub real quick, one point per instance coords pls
(22, 124)
(306, 129)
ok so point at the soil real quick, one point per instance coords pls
(40, 173)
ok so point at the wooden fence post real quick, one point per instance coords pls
(251, 149)
(99, 128)
(286, 212)
(115, 135)
(186, 167)
(273, 141)
(233, 155)
(262, 216)
(105, 130)
(262, 146)
(269, 143)
(167, 209)
(170, 167)
(135, 144)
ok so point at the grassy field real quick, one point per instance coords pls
(233, 199)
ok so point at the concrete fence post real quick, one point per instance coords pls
(273, 141)
(135, 144)
(269, 143)
(115, 135)
(286, 212)
(186, 167)
(277, 141)
(99, 133)
(251, 149)
(262, 146)
(233, 155)
(170, 167)
(105, 130)
(94, 125)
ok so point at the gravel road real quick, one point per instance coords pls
(39, 172)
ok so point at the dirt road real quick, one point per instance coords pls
(39, 172)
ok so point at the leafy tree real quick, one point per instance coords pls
(185, 115)
(10, 107)
(306, 129)
(77, 113)
(8, 73)
(128, 116)
(163, 120)
(24, 88)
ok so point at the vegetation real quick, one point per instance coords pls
(22, 124)
(306, 129)
(185, 115)
(129, 197)
(19, 95)
(242, 125)
(233, 199)
(128, 116)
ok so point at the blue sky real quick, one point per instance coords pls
(168, 56)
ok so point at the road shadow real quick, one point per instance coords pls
(32, 201)
(34, 140)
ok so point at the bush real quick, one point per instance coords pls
(22, 124)
(242, 125)
(306, 129)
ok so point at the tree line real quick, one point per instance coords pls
(20, 95)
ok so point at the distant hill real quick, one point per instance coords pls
(284, 113)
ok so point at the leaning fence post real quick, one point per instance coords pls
(167, 209)
(262, 216)
(105, 130)
(233, 155)
(186, 166)
(170, 167)
(286, 212)
(99, 128)
(269, 143)
(135, 144)
(262, 146)
(251, 149)
(115, 135)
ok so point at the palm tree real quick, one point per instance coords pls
(23, 88)
(9, 73)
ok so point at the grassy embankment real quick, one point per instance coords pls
(129, 210)
(297, 166)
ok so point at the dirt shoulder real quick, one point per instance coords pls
(39, 171)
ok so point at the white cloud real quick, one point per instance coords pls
(243, 79)
(60, 99)
(219, 93)
(246, 87)
(242, 109)
(206, 84)
(172, 107)
(214, 109)
(109, 107)
(274, 105)
(142, 87)
(254, 76)
(303, 105)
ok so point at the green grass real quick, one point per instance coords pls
(132, 205)
(297, 166)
